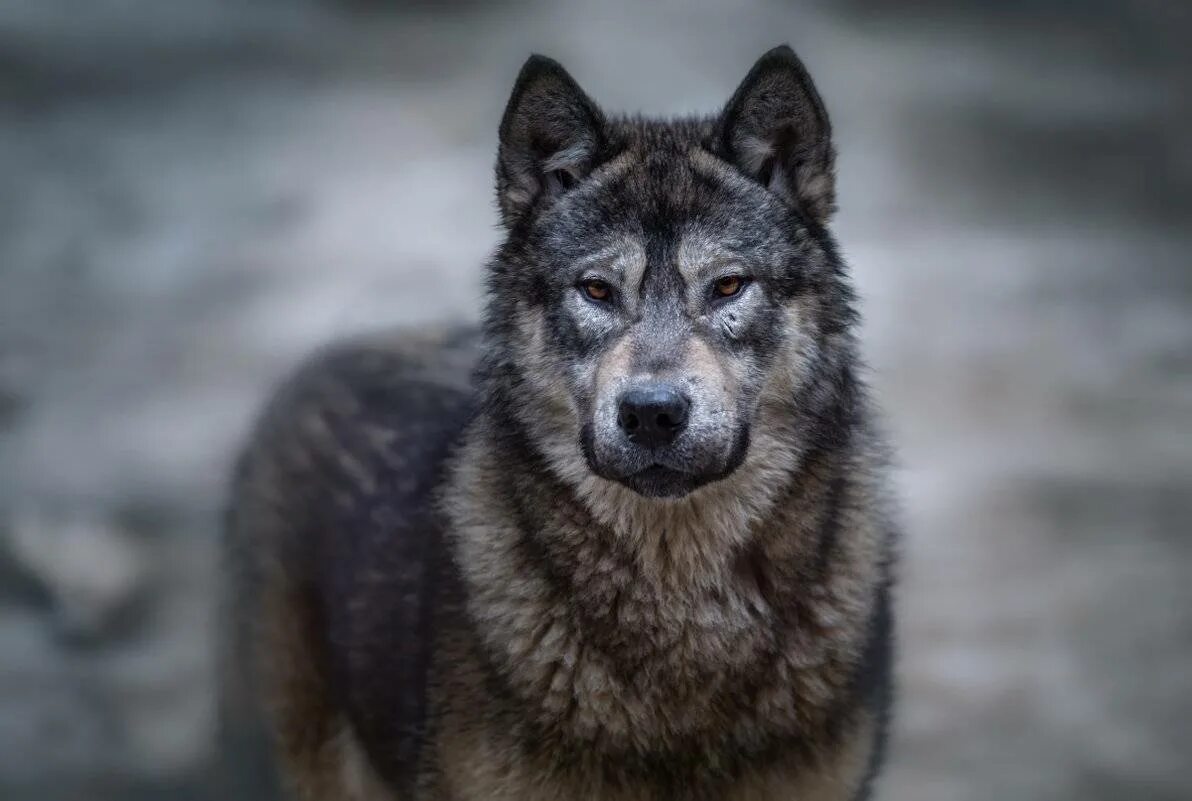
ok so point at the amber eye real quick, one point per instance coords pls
(596, 289)
(728, 286)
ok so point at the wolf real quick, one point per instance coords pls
(629, 541)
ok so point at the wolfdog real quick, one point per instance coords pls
(631, 540)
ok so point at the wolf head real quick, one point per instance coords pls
(668, 306)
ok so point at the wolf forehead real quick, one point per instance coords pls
(661, 184)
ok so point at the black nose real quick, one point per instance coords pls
(653, 415)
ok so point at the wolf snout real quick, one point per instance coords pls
(653, 415)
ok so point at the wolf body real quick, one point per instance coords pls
(629, 541)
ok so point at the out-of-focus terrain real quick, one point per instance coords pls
(195, 194)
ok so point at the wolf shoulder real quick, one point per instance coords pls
(402, 389)
(337, 486)
(360, 433)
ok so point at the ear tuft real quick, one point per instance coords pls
(776, 130)
(550, 136)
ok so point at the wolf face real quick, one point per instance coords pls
(668, 291)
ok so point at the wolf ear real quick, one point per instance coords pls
(776, 131)
(549, 138)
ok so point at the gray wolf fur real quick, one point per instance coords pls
(629, 541)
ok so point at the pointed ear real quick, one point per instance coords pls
(549, 139)
(776, 131)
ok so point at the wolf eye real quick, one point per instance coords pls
(596, 289)
(728, 286)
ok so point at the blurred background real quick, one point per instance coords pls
(194, 194)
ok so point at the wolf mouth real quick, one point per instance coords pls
(660, 481)
(658, 469)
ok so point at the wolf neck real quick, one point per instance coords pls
(678, 544)
(618, 622)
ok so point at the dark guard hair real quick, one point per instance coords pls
(646, 554)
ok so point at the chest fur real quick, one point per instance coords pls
(663, 642)
(601, 654)
(478, 764)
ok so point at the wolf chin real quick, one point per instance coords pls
(629, 541)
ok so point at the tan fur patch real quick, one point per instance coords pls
(615, 364)
(306, 725)
(625, 256)
(359, 782)
(701, 360)
(698, 255)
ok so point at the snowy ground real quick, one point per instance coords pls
(194, 194)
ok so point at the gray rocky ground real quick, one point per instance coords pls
(194, 194)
